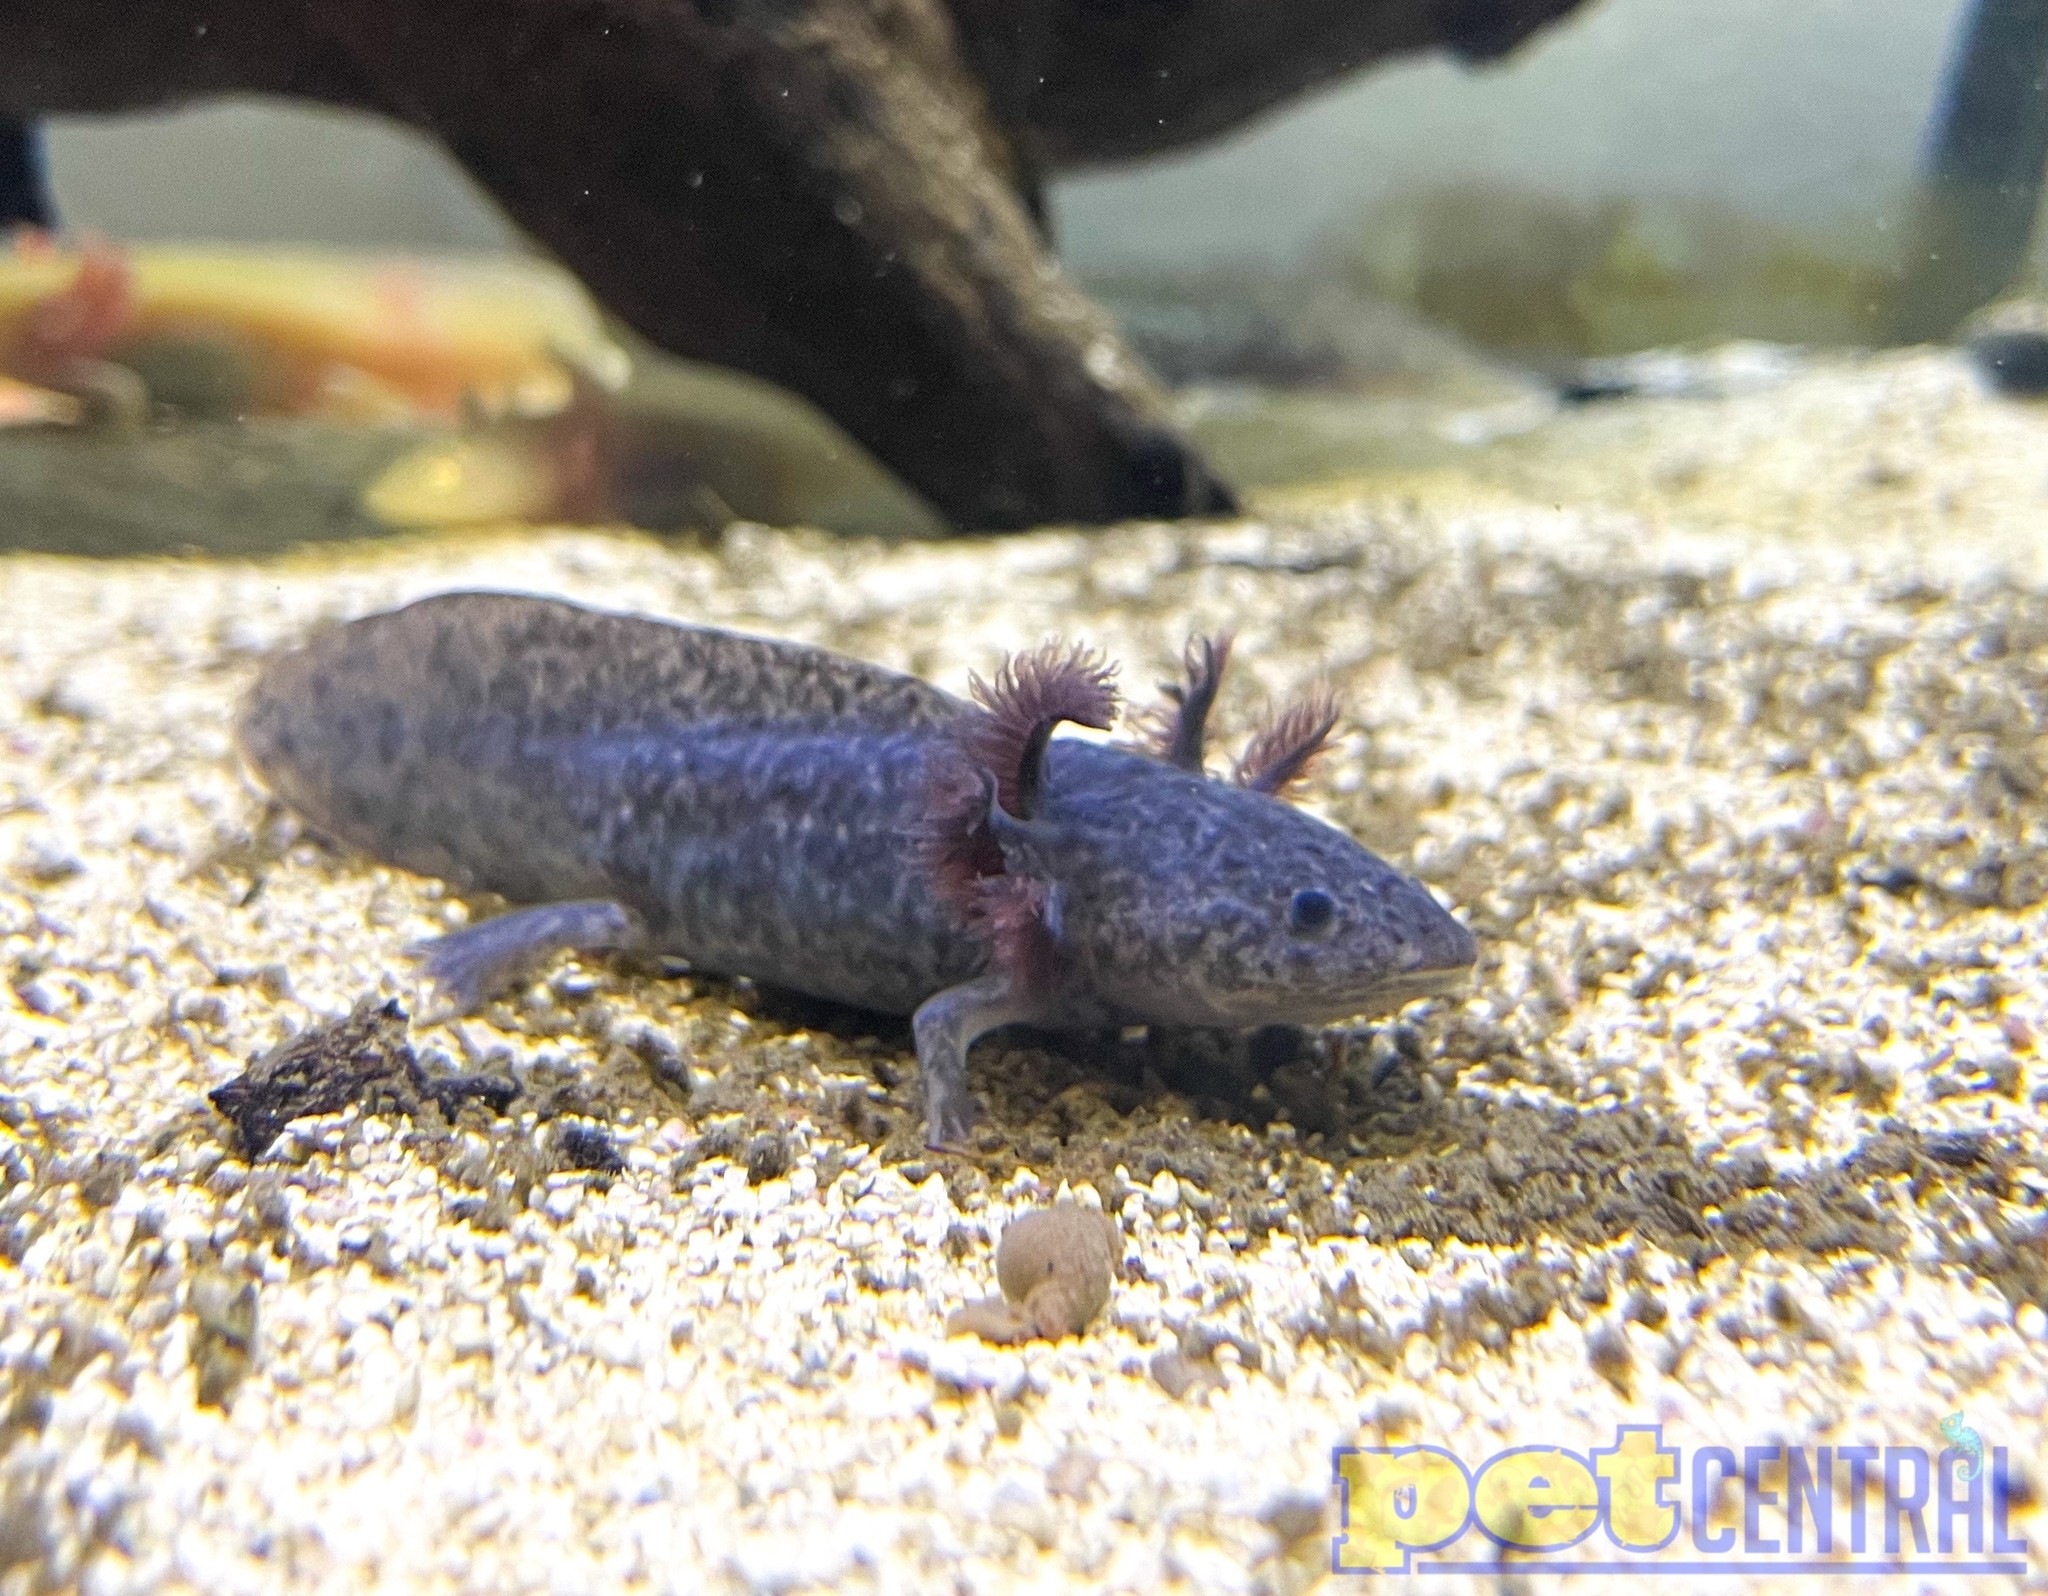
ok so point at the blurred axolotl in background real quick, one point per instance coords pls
(776, 811)
(301, 393)
(236, 331)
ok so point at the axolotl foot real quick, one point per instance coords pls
(946, 1026)
(473, 965)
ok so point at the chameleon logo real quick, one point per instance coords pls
(1967, 1441)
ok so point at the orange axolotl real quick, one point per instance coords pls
(240, 331)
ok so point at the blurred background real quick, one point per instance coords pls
(1654, 197)
(1805, 119)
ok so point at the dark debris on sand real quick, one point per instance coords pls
(365, 1058)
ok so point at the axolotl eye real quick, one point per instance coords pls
(1311, 914)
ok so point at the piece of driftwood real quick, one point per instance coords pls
(1980, 177)
(839, 195)
(24, 196)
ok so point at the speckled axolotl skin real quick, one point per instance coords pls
(776, 811)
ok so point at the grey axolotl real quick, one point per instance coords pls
(771, 810)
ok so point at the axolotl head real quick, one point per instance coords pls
(1133, 879)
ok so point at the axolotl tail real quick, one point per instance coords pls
(410, 735)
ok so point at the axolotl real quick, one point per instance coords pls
(771, 810)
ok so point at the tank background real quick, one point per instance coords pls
(1808, 116)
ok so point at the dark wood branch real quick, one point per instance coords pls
(1100, 81)
(838, 195)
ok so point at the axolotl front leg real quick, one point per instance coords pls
(946, 1025)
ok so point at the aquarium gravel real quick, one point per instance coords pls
(1720, 720)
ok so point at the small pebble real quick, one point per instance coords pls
(1177, 1374)
(1054, 1266)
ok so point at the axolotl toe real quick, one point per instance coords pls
(772, 810)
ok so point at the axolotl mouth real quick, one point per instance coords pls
(1389, 994)
(1384, 997)
(1399, 991)
(1443, 963)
